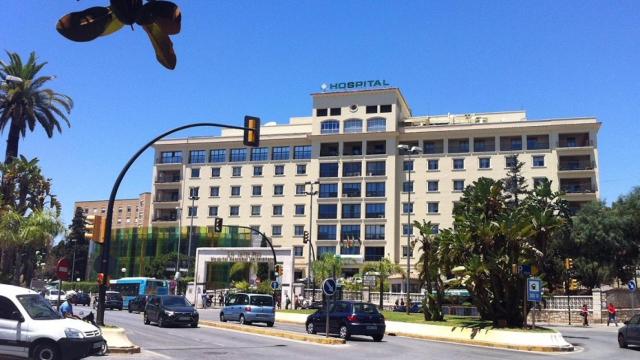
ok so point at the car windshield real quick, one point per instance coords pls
(261, 301)
(54, 292)
(113, 296)
(37, 307)
(175, 301)
(365, 308)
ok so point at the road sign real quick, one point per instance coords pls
(275, 285)
(534, 289)
(631, 285)
(329, 287)
(63, 268)
(369, 280)
(524, 270)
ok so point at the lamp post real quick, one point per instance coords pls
(179, 215)
(409, 151)
(311, 193)
(193, 199)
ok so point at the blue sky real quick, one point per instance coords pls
(552, 58)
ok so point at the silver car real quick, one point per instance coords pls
(629, 334)
(249, 308)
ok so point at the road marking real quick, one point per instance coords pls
(156, 354)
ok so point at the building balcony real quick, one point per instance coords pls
(166, 199)
(165, 219)
(167, 179)
(574, 140)
(169, 160)
(576, 165)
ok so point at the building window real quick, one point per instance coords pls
(256, 190)
(376, 168)
(257, 170)
(236, 171)
(350, 250)
(385, 108)
(432, 185)
(407, 186)
(324, 250)
(352, 148)
(376, 147)
(255, 210)
(277, 210)
(301, 169)
(405, 251)
(298, 230)
(351, 211)
(192, 211)
(279, 170)
(538, 161)
(234, 210)
(329, 169)
(213, 211)
(374, 232)
(407, 208)
(299, 209)
(538, 181)
(215, 172)
(326, 232)
(280, 153)
(321, 112)
(371, 109)
(193, 192)
(458, 145)
(407, 165)
(375, 189)
(484, 163)
(214, 191)
(302, 152)
(351, 189)
(376, 125)
(353, 126)
(352, 169)
(537, 142)
(235, 191)
(328, 190)
(373, 253)
(171, 157)
(432, 165)
(278, 190)
(218, 155)
(335, 111)
(298, 251)
(238, 155)
(197, 157)
(300, 189)
(374, 211)
(327, 211)
(195, 172)
(329, 149)
(510, 161)
(458, 164)
(433, 208)
(407, 229)
(484, 144)
(260, 154)
(330, 127)
(433, 146)
(348, 232)
(458, 185)
(276, 230)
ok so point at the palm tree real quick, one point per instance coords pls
(384, 268)
(26, 103)
(431, 265)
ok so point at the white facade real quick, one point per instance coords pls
(366, 127)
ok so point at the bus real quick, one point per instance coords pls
(131, 287)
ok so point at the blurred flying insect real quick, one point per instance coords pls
(158, 18)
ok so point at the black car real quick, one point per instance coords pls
(81, 299)
(138, 303)
(348, 318)
(170, 310)
(112, 300)
(629, 334)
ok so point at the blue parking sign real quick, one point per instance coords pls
(631, 285)
(534, 289)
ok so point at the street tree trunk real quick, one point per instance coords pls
(13, 142)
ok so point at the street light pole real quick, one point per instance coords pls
(311, 193)
(179, 214)
(193, 199)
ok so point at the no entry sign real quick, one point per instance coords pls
(63, 269)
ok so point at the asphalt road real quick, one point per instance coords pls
(211, 343)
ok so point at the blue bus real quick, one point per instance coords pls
(133, 286)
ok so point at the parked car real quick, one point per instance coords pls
(348, 318)
(112, 300)
(138, 303)
(249, 308)
(81, 299)
(170, 310)
(629, 334)
(416, 307)
(30, 327)
(53, 294)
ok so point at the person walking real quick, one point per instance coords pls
(612, 314)
(584, 312)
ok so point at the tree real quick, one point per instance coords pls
(384, 268)
(431, 265)
(25, 104)
(515, 184)
(75, 246)
(326, 266)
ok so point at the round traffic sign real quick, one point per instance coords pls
(631, 285)
(329, 287)
(275, 285)
(63, 269)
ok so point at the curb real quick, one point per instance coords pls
(123, 350)
(274, 332)
(118, 342)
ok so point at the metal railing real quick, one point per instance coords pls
(577, 165)
(168, 178)
(169, 160)
(572, 144)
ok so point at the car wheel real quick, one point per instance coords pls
(621, 342)
(104, 349)
(344, 332)
(222, 318)
(270, 324)
(194, 325)
(243, 321)
(146, 319)
(45, 351)
(378, 338)
(310, 328)
(161, 322)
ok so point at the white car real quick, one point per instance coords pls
(30, 327)
(53, 295)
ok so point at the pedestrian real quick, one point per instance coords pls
(612, 314)
(584, 312)
(401, 302)
(287, 302)
(221, 300)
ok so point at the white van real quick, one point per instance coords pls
(30, 327)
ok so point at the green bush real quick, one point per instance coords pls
(83, 286)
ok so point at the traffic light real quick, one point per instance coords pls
(94, 228)
(305, 237)
(102, 280)
(217, 227)
(568, 263)
(573, 284)
(252, 131)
